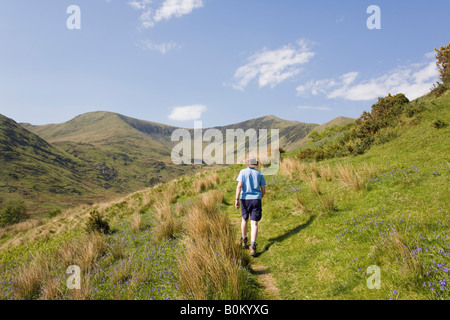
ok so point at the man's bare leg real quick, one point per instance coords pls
(244, 228)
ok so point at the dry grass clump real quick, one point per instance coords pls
(136, 222)
(42, 275)
(350, 178)
(328, 202)
(201, 185)
(166, 226)
(289, 167)
(212, 265)
(314, 183)
(83, 252)
(30, 277)
(301, 202)
(326, 173)
(314, 168)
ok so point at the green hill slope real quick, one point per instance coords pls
(34, 170)
(129, 153)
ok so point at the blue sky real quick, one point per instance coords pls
(219, 61)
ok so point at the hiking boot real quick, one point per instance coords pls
(244, 242)
(252, 250)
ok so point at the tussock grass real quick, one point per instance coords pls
(213, 264)
(51, 290)
(201, 185)
(83, 252)
(166, 226)
(291, 167)
(42, 274)
(314, 183)
(350, 178)
(301, 202)
(328, 202)
(30, 277)
(314, 168)
(326, 173)
(136, 222)
(117, 250)
(123, 270)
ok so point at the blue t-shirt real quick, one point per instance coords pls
(252, 181)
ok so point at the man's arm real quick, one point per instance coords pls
(263, 191)
(238, 194)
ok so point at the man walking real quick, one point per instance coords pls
(250, 189)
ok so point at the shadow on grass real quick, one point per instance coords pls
(287, 234)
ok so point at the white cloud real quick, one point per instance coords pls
(187, 113)
(140, 4)
(271, 67)
(160, 47)
(167, 10)
(314, 108)
(414, 81)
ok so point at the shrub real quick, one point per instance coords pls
(358, 137)
(307, 154)
(363, 145)
(96, 223)
(53, 213)
(314, 136)
(12, 212)
(438, 124)
(443, 60)
(438, 89)
(386, 135)
(414, 108)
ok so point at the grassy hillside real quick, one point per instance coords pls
(35, 171)
(330, 221)
(324, 223)
(129, 153)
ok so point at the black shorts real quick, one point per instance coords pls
(252, 208)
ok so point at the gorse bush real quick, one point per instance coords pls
(443, 60)
(438, 124)
(53, 213)
(12, 212)
(356, 138)
(96, 223)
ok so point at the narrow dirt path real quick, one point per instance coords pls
(265, 278)
(267, 281)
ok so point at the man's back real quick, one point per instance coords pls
(252, 181)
